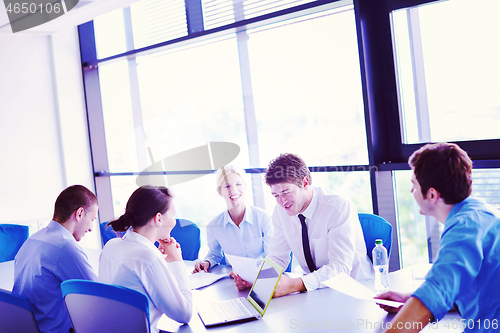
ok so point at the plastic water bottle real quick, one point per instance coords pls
(381, 266)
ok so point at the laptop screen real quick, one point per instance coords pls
(263, 289)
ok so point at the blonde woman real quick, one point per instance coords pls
(241, 230)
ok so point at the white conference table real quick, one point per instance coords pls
(322, 310)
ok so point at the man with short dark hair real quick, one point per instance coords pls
(320, 227)
(467, 269)
(52, 256)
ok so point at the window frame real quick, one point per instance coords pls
(90, 67)
(386, 150)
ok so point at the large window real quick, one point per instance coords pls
(448, 70)
(420, 234)
(287, 84)
(354, 88)
(307, 89)
(191, 96)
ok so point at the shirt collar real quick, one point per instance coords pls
(458, 206)
(60, 228)
(309, 212)
(130, 235)
(246, 218)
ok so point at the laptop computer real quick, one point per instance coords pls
(245, 309)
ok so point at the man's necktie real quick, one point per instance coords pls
(305, 244)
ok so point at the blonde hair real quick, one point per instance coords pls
(226, 170)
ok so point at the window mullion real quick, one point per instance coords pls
(433, 236)
(420, 88)
(140, 141)
(249, 106)
(95, 120)
(387, 206)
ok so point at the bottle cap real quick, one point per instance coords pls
(378, 241)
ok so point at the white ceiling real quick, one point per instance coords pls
(85, 10)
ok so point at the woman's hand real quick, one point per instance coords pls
(201, 266)
(171, 248)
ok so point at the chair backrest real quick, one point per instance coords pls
(375, 227)
(16, 314)
(12, 237)
(108, 233)
(187, 234)
(289, 268)
(96, 307)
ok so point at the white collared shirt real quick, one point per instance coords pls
(335, 237)
(252, 239)
(134, 262)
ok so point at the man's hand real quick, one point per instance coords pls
(414, 312)
(201, 266)
(288, 285)
(240, 283)
(392, 296)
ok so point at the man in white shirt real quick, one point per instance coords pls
(333, 233)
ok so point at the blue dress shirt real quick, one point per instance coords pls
(45, 260)
(467, 270)
(251, 239)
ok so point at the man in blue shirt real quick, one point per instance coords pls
(467, 270)
(52, 256)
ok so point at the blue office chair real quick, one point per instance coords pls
(16, 314)
(108, 233)
(95, 307)
(289, 268)
(375, 227)
(187, 234)
(12, 237)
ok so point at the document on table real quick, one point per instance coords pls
(203, 279)
(347, 285)
(246, 268)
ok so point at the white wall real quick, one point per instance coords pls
(71, 106)
(44, 144)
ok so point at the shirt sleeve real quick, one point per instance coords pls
(279, 250)
(341, 246)
(458, 263)
(74, 264)
(215, 254)
(168, 288)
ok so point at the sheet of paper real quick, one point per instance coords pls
(246, 268)
(347, 285)
(203, 279)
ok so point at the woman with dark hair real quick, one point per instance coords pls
(134, 262)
